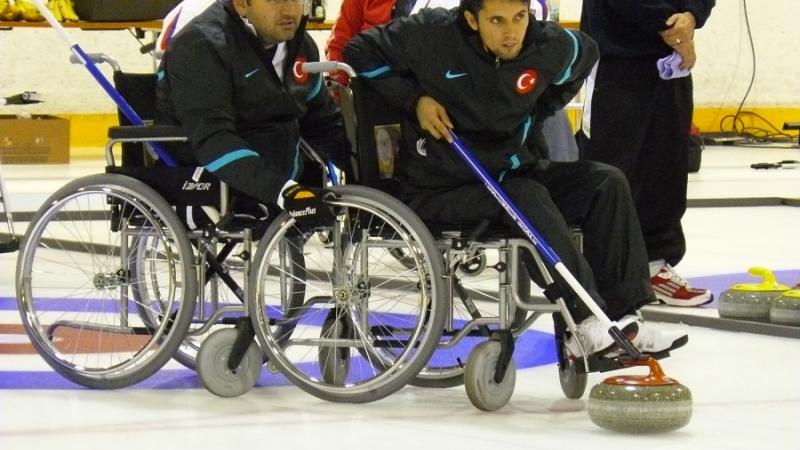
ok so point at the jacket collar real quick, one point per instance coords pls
(292, 45)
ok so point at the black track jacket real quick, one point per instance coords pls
(492, 103)
(218, 82)
(629, 28)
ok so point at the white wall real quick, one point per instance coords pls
(34, 59)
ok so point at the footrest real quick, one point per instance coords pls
(602, 364)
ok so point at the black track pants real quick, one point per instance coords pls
(596, 197)
(640, 123)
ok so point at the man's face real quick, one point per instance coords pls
(274, 20)
(501, 25)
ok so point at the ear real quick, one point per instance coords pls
(240, 6)
(472, 21)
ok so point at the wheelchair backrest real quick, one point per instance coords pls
(377, 135)
(139, 90)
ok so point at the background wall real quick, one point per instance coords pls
(35, 59)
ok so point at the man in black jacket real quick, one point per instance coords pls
(488, 72)
(639, 122)
(232, 79)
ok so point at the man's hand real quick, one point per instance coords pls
(680, 29)
(307, 206)
(686, 50)
(433, 118)
(679, 35)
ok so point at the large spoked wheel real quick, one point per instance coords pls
(471, 300)
(394, 311)
(218, 295)
(479, 377)
(74, 281)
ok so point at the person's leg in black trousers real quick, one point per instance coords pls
(554, 196)
(594, 196)
(640, 124)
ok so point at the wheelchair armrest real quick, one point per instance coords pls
(147, 132)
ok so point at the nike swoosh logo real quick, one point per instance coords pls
(450, 75)
(251, 73)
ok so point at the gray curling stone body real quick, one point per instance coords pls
(638, 404)
(785, 310)
(746, 305)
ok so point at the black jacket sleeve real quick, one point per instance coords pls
(576, 66)
(202, 91)
(649, 15)
(380, 56)
(700, 9)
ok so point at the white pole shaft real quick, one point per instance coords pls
(584, 296)
(51, 19)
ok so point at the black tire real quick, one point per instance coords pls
(573, 384)
(335, 361)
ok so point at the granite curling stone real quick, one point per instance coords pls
(751, 301)
(785, 309)
(641, 404)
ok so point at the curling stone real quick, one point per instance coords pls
(785, 309)
(639, 404)
(751, 301)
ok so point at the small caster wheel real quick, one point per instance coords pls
(212, 365)
(482, 390)
(272, 367)
(334, 362)
(573, 384)
(473, 266)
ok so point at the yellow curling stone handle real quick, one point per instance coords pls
(768, 283)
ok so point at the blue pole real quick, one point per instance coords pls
(121, 103)
(494, 188)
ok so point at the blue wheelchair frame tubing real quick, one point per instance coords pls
(121, 103)
(494, 188)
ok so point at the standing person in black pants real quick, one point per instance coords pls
(638, 119)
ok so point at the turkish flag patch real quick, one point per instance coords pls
(297, 71)
(526, 81)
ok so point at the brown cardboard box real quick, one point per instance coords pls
(41, 139)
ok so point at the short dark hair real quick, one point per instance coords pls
(474, 6)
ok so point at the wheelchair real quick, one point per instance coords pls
(112, 282)
(482, 324)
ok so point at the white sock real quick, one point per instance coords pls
(655, 266)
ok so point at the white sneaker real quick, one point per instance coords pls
(594, 337)
(649, 339)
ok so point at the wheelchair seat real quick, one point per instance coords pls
(184, 187)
